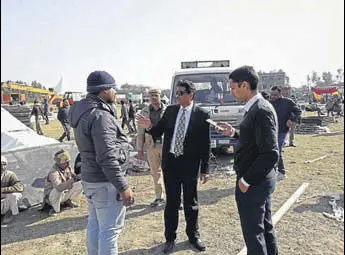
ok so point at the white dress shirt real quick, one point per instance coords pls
(189, 109)
(252, 101)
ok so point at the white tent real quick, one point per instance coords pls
(58, 89)
(15, 135)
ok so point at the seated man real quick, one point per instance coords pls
(61, 184)
(11, 192)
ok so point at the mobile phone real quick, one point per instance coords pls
(213, 123)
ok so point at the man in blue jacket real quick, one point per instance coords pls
(63, 118)
(288, 112)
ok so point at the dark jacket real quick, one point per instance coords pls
(102, 143)
(131, 112)
(63, 114)
(257, 151)
(197, 144)
(36, 110)
(286, 109)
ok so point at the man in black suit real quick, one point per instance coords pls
(186, 150)
(254, 162)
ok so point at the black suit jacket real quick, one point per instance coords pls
(197, 144)
(257, 152)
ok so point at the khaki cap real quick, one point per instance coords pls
(154, 91)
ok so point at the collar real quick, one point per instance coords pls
(188, 108)
(160, 107)
(101, 102)
(250, 103)
(3, 174)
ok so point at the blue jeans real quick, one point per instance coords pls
(106, 218)
(281, 141)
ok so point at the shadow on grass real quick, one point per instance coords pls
(206, 197)
(27, 226)
(322, 205)
(182, 246)
(21, 229)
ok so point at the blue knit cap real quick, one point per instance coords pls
(100, 80)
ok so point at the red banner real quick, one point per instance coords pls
(320, 91)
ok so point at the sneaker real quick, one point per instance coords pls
(8, 218)
(157, 202)
(281, 176)
(292, 145)
(52, 212)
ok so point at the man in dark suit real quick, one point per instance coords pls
(254, 162)
(186, 150)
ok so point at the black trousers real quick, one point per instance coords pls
(254, 208)
(66, 132)
(181, 173)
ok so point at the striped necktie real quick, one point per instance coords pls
(179, 139)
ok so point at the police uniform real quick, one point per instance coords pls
(153, 145)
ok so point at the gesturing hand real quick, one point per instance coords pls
(143, 121)
(204, 178)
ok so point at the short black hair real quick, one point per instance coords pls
(122, 102)
(245, 73)
(129, 101)
(188, 85)
(265, 95)
(277, 88)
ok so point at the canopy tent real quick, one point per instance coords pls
(15, 135)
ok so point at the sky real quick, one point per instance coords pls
(143, 42)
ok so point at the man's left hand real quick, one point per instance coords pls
(204, 178)
(242, 187)
(289, 123)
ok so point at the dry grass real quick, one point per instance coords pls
(303, 230)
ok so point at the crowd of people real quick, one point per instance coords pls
(177, 143)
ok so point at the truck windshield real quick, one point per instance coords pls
(211, 88)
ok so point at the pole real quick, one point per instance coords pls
(286, 206)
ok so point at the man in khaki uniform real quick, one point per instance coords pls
(61, 184)
(155, 112)
(11, 192)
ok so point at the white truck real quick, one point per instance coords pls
(211, 79)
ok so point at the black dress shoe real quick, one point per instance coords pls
(198, 244)
(169, 247)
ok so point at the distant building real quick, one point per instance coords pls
(268, 80)
(120, 97)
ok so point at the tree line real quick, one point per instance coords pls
(326, 78)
